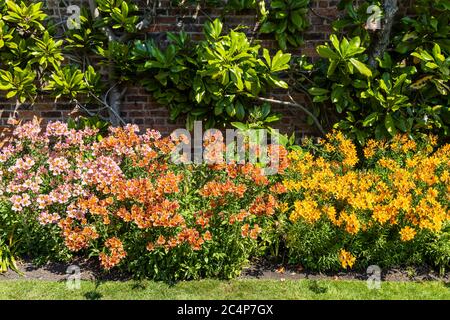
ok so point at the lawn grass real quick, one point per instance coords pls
(223, 290)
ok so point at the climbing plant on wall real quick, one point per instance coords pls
(381, 82)
(216, 80)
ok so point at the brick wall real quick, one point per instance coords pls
(140, 108)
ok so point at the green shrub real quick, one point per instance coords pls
(31, 57)
(214, 80)
(403, 90)
(287, 19)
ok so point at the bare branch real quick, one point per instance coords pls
(384, 35)
(113, 97)
(293, 103)
(148, 18)
(105, 106)
(124, 91)
(320, 16)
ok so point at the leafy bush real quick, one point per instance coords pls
(7, 241)
(438, 250)
(403, 90)
(287, 19)
(213, 80)
(31, 58)
(389, 209)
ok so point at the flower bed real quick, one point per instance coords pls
(123, 200)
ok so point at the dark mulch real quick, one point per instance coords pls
(58, 271)
(264, 269)
(260, 269)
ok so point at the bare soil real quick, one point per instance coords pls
(266, 270)
(262, 269)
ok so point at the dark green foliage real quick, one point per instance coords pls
(214, 80)
(287, 19)
(406, 91)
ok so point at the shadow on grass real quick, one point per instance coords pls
(94, 294)
(139, 285)
(315, 287)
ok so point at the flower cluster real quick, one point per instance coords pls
(403, 186)
(122, 198)
(117, 253)
(220, 189)
(346, 258)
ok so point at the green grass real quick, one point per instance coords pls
(215, 289)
